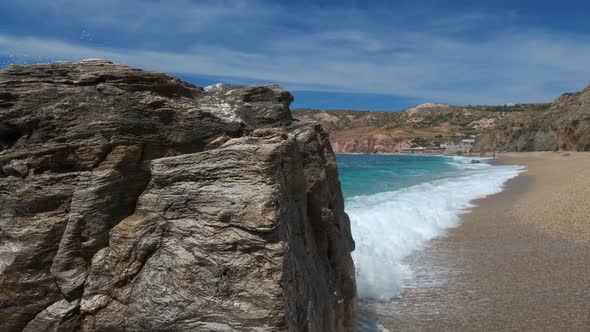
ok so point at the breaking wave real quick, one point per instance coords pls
(389, 226)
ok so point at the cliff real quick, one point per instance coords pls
(426, 125)
(566, 126)
(130, 200)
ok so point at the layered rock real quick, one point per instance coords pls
(131, 200)
(566, 126)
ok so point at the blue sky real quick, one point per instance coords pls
(385, 55)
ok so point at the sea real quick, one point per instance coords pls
(397, 203)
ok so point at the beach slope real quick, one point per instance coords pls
(519, 260)
(558, 199)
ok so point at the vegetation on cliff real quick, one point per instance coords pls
(426, 125)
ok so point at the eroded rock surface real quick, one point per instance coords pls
(131, 200)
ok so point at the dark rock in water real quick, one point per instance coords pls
(131, 200)
(566, 126)
(475, 161)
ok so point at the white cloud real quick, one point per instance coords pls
(343, 50)
(147, 16)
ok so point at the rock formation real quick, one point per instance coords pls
(131, 201)
(566, 126)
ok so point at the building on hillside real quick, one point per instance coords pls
(461, 148)
(419, 149)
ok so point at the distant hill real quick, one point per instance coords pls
(426, 125)
(565, 126)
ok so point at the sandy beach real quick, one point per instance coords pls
(559, 196)
(520, 261)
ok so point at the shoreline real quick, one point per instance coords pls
(504, 267)
(408, 154)
(389, 154)
(413, 154)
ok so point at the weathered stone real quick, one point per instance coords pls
(60, 316)
(131, 200)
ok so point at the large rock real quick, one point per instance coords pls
(131, 200)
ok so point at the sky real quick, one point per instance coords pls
(346, 54)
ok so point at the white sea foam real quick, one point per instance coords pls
(389, 226)
(364, 324)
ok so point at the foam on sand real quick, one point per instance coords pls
(389, 226)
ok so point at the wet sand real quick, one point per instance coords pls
(520, 261)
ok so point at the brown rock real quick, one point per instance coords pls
(130, 200)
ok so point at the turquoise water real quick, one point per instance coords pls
(370, 174)
(398, 203)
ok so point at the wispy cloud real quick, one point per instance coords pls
(311, 48)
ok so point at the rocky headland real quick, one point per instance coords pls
(565, 126)
(133, 201)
